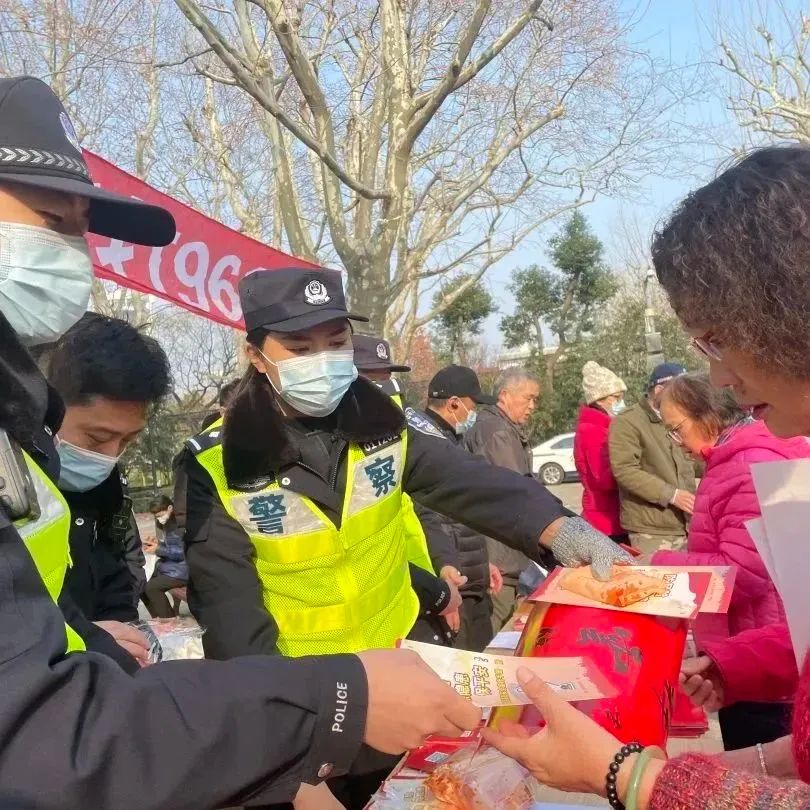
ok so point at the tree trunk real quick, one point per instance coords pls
(367, 292)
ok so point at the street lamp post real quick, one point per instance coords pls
(652, 338)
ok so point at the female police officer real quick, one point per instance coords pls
(75, 729)
(294, 521)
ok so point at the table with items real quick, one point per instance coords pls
(590, 653)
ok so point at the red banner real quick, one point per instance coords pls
(199, 271)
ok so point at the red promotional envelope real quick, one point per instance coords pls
(639, 654)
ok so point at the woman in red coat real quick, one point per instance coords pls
(604, 398)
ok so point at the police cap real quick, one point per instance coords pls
(374, 354)
(39, 148)
(292, 299)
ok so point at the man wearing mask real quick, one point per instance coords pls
(73, 730)
(656, 480)
(454, 395)
(499, 435)
(109, 377)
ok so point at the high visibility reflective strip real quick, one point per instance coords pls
(52, 508)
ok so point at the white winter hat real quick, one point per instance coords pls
(599, 382)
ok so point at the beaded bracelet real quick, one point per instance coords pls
(613, 771)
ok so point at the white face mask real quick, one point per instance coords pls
(45, 281)
(82, 470)
(316, 383)
(163, 518)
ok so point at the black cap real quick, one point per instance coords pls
(458, 381)
(665, 372)
(39, 147)
(374, 354)
(291, 299)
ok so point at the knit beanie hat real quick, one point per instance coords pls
(599, 382)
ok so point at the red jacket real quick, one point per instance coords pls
(724, 501)
(600, 494)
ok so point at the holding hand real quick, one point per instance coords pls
(451, 612)
(571, 753)
(685, 501)
(407, 702)
(575, 542)
(495, 580)
(128, 638)
(453, 576)
(701, 681)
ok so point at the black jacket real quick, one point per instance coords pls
(310, 458)
(76, 731)
(500, 441)
(106, 576)
(469, 547)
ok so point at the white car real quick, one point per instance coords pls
(553, 460)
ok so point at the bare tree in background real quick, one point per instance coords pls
(204, 356)
(769, 70)
(425, 139)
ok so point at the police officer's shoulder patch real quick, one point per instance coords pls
(205, 441)
(421, 423)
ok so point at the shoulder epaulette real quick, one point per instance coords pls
(205, 440)
(418, 421)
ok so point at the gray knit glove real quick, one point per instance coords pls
(578, 543)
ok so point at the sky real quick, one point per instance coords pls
(678, 32)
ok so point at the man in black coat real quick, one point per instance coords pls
(109, 376)
(453, 397)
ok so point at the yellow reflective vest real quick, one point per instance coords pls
(332, 589)
(47, 539)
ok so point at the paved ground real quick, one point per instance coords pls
(570, 495)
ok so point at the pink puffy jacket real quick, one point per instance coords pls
(724, 501)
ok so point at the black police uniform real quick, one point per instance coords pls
(470, 550)
(106, 576)
(309, 456)
(76, 731)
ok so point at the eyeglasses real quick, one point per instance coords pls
(674, 436)
(705, 346)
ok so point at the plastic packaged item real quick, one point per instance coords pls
(404, 794)
(172, 639)
(479, 779)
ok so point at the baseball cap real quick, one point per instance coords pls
(458, 381)
(39, 148)
(664, 372)
(374, 354)
(291, 299)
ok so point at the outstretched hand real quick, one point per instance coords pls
(701, 681)
(571, 753)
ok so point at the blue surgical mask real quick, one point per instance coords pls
(45, 281)
(469, 421)
(617, 407)
(316, 383)
(82, 470)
